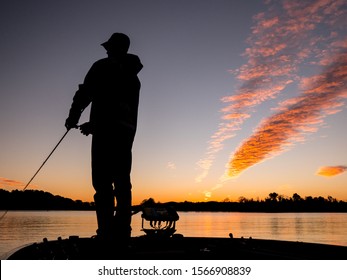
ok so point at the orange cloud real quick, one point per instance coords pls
(329, 171)
(8, 183)
(282, 39)
(303, 115)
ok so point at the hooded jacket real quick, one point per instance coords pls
(112, 87)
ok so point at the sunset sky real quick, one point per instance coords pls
(238, 98)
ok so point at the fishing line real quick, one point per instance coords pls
(32, 178)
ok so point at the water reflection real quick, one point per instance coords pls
(274, 222)
(23, 227)
(308, 227)
(298, 225)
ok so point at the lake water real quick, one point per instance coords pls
(18, 228)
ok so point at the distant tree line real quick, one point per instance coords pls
(272, 203)
(40, 200)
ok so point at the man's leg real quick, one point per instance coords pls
(123, 213)
(122, 189)
(104, 206)
(102, 183)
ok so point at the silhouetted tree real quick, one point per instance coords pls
(148, 202)
(296, 197)
(273, 196)
(39, 200)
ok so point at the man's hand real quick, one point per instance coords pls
(71, 123)
(86, 128)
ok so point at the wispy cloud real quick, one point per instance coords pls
(296, 118)
(330, 171)
(171, 165)
(8, 183)
(283, 39)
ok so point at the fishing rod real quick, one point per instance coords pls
(44, 162)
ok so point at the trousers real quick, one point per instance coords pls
(111, 168)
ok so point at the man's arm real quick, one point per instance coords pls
(134, 64)
(81, 100)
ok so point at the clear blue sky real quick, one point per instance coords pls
(235, 99)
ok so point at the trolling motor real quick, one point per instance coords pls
(159, 222)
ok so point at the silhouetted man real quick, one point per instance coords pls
(112, 88)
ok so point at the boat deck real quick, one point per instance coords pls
(178, 247)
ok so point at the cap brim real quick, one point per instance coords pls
(105, 45)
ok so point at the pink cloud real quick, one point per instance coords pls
(283, 38)
(301, 116)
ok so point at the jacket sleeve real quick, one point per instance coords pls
(137, 65)
(83, 96)
(134, 64)
(81, 100)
